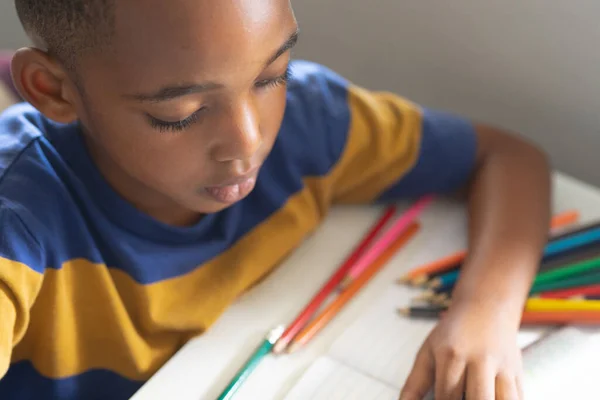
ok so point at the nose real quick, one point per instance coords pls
(239, 137)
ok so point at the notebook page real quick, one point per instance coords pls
(563, 366)
(328, 379)
(383, 344)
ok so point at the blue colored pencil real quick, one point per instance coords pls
(445, 282)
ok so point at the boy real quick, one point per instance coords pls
(169, 157)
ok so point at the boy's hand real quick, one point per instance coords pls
(471, 352)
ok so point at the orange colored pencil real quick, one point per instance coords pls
(564, 219)
(317, 324)
(445, 263)
(436, 266)
(560, 317)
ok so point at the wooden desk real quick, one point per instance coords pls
(204, 365)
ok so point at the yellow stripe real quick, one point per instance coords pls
(94, 317)
(20, 284)
(9, 316)
(383, 145)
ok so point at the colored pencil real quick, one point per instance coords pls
(555, 247)
(434, 310)
(569, 270)
(439, 289)
(584, 280)
(252, 362)
(589, 290)
(572, 242)
(564, 219)
(319, 322)
(583, 254)
(330, 286)
(428, 311)
(447, 281)
(560, 318)
(443, 264)
(527, 317)
(578, 229)
(401, 224)
(537, 304)
(425, 272)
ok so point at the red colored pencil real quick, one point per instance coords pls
(331, 285)
(591, 290)
(335, 307)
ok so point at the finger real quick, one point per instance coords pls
(519, 384)
(480, 381)
(420, 379)
(506, 387)
(519, 378)
(450, 378)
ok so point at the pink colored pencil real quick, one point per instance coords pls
(401, 224)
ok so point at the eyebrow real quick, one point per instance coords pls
(174, 91)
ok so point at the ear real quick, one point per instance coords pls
(44, 83)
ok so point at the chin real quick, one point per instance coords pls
(210, 206)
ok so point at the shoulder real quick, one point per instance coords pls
(31, 179)
(317, 118)
(19, 241)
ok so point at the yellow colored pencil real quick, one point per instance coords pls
(540, 304)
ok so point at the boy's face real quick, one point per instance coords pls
(182, 114)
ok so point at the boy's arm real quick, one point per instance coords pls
(474, 348)
(509, 215)
(21, 271)
(383, 147)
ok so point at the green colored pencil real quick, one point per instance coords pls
(252, 363)
(569, 270)
(583, 280)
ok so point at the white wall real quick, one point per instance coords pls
(532, 66)
(11, 34)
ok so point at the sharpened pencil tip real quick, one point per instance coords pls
(292, 348)
(426, 296)
(419, 280)
(434, 284)
(279, 347)
(404, 311)
(345, 283)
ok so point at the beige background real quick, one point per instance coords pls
(532, 66)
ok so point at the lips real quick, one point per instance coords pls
(232, 192)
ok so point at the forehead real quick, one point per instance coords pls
(183, 40)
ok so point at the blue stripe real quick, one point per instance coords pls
(78, 215)
(17, 243)
(11, 145)
(446, 157)
(23, 382)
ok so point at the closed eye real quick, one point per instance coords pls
(175, 126)
(277, 81)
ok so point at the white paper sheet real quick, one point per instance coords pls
(563, 366)
(376, 352)
(328, 379)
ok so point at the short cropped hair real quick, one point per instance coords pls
(68, 28)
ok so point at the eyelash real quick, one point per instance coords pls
(167, 126)
(178, 126)
(280, 80)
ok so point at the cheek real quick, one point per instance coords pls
(272, 112)
(161, 160)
